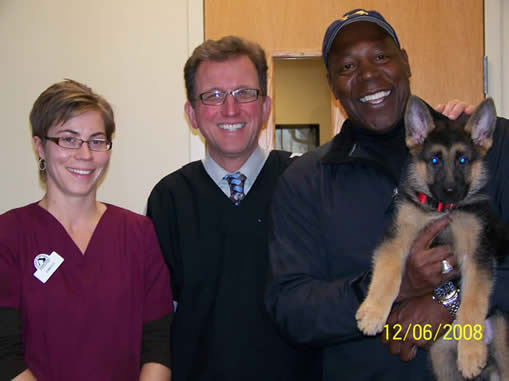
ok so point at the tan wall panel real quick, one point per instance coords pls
(444, 38)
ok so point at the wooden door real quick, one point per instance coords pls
(443, 38)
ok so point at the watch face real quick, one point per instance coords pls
(446, 291)
(449, 299)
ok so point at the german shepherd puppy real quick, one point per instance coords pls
(446, 174)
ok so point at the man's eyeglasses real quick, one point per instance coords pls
(218, 97)
(99, 145)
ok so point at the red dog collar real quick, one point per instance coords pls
(439, 206)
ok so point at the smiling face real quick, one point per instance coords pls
(231, 129)
(369, 75)
(74, 172)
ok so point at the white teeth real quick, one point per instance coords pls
(79, 171)
(231, 127)
(376, 97)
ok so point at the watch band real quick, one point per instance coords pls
(448, 295)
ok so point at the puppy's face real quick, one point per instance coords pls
(447, 156)
(450, 164)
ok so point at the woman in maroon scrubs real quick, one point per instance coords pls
(84, 292)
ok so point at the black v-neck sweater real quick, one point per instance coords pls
(218, 257)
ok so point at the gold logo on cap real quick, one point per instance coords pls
(358, 13)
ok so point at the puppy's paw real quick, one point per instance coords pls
(371, 317)
(472, 356)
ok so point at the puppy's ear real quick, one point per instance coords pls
(418, 122)
(481, 124)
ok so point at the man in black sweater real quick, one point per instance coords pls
(211, 220)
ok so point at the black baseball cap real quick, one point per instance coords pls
(350, 17)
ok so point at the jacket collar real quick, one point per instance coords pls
(341, 145)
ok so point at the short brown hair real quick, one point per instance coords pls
(221, 50)
(65, 100)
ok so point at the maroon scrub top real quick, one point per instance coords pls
(85, 322)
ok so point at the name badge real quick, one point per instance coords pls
(46, 265)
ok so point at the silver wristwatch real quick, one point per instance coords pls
(448, 295)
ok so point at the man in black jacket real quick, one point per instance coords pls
(332, 206)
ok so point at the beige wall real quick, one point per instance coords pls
(130, 51)
(301, 94)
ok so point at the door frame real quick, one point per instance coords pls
(267, 135)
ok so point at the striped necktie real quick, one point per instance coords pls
(236, 181)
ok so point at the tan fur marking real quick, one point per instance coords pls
(466, 230)
(437, 147)
(472, 354)
(485, 147)
(476, 288)
(418, 183)
(409, 215)
(389, 261)
(478, 177)
(412, 147)
(458, 147)
(476, 170)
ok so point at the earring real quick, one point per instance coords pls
(42, 164)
